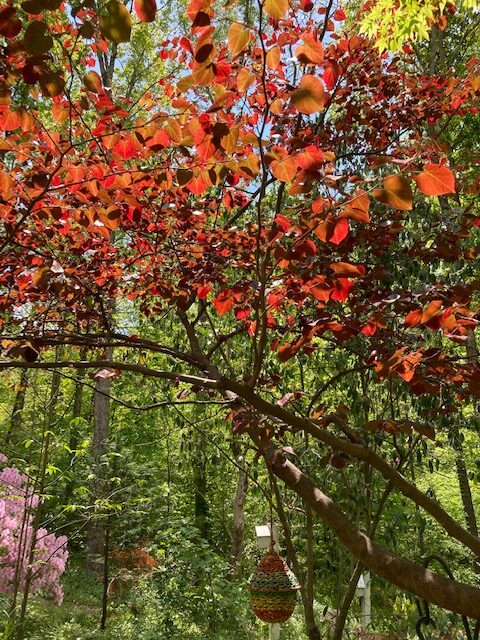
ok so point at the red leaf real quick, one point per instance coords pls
(369, 329)
(330, 75)
(341, 289)
(223, 302)
(202, 292)
(145, 10)
(125, 148)
(159, 140)
(413, 318)
(340, 232)
(287, 351)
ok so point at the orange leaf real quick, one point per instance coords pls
(273, 57)
(310, 53)
(431, 311)
(6, 184)
(276, 8)
(284, 169)
(9, 120)
(347, 269)
(92, 82)
(396, 193)
(310, 96)
(357, 208)
(238, 38)
(311, 158)
(413, 318)
(244, 79)
(435, 180)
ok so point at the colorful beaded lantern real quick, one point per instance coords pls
(273, 589)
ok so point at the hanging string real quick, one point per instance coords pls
(272, 539)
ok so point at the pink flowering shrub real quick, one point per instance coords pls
(17, 508)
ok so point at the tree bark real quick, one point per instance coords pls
(348, 596)
(238, 524)
(424, 583)
(101, 427)
(200, 490)
(76, 413)
(311, 628)
(16, 417)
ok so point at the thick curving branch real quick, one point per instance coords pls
(361, 452)
(424, 583)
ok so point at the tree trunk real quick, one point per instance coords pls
(202, 508)
(461, 468)
(311, 628)
(39, 489)
(465, 492)
(101, 425)
(238, 524)
(16, 417)
(348, 596)
(76, 413)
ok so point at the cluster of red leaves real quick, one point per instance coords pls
(157, 204)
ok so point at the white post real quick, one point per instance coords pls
(367, 602)
(363, 592)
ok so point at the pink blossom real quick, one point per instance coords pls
(17, 507)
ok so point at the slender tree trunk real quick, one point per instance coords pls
(103, 620)
(101, 427)
(357, 569)
(238, 524)
(76, 413)
(39, 490)
(16, 417)
(348, 596)
(311, 628)
(202, 508)
(465, 490)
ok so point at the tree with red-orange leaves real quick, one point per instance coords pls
(271, 185)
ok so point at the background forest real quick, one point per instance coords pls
(154, 484)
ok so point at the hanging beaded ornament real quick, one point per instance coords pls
(273, 589)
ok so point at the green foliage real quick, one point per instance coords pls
(393, 24)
